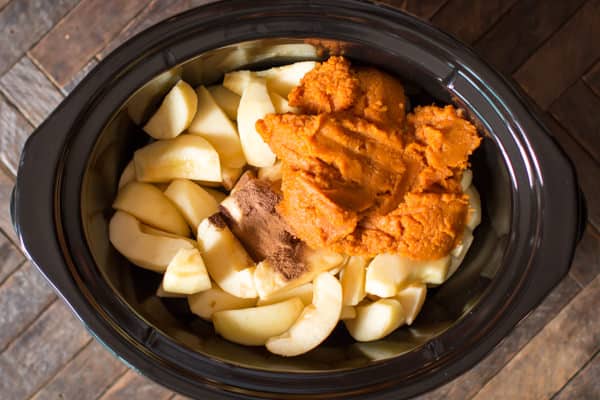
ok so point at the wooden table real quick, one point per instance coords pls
(550, 48)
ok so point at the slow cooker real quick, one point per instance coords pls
(533, 211)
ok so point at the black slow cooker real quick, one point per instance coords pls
(533, 212)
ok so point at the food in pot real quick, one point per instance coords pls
(314, 194)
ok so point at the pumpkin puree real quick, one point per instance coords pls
(360, 176)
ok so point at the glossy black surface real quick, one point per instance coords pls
(69, 168)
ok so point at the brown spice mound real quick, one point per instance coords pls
(362, 178)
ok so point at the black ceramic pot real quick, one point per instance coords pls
(533, 213)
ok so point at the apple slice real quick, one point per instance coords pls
(226, 260)
(192, 201)
(147, 251)
(253, 326)
(212, 124)
(230, 176)
(412, 299)
(272, 173)
(226, 99)
(238, 81)
(460, 251)
(186, 273)
(157, 232)
(281, 104)
(151, 94)
(206, 303)
(376, 320)
(474, 218)
(348, 312)
(148, 204)
(161, 292)
(353, 280)
(215, 194)
(466, 179)
(303, 292)
(186, 156)
(316, 321)
(269, 281)
(128, 175)
(175, 113)
(254, 105)
(388, 273)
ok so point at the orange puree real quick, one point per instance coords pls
(362, 177)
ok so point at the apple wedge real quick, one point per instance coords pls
(376, 320)
(186, 156)
(353, 280)
(466, 179)
(215, 194)
(161, 292)
(144, 250)
(254, 326)
(269, 281)
(148, 204)
(254, 105)
(226, 99)
(303, 292)
(281, 104)
(175, 113)
(212, 123)
(460, 251)
(157, 232)
(315, 323)
(186, 273)
(226, 260)
(145, 100)
(272, 173)
(128, 175)
(387, 273)
(348, 312)
(206, 303)
(412, 299)
(474, 218)
(192, 201)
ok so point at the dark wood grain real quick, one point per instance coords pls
(15, 130)
(578, 110)
(6, 186)
(563, 58)
(468, 384)
(585, 385)
(588, 170)
(521, 31)
(10, 259)
(424, 9)
(23, 296)
(592, 78)
(133, 386)
(41, 351)
(468, 20)
(93, 370)
(586, 265)
(30, 91)
(555, 355)
(24, 22)
(70, 45)
(78, 77)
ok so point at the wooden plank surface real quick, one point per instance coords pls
(585, 385)
(592, 78)
(15, 130)
(133, 386)
(10, 259)
(6, 186)
(567, 55)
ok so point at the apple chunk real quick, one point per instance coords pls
(186, 156)
(281, 104)
(303, 292)
(192, 201)
(148, 204)
(353, 280)
(254, 105)
(174, 114)
(376, 320)
(207, 302)
(186, 273)
(212, 124)
(128, 175)
(226, 259)
(316, 321)
(145, 250)
(474, 218)
(412, 299)
(253, 326)
(226, 99)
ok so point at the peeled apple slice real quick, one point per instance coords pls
(215, 194)
(474, 218)
(186, 273)
(148, 204)
(412, 299)
(153, 231)
(206, 303)
(303, 292)
(353, 280)
(148, 97)
(226, 259)
(315, 323)
(226, 99)
(194, 202)
(348, 312)
(376, 320)
(388, 273)
(147, 251)
(212, 123)
(281, 104)
(253, 326)
(460, 251)
(272, 173)
(466, 180)
(161, 292)
(128, 175)
(186, 156)
(254, 105)
(174, 114)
